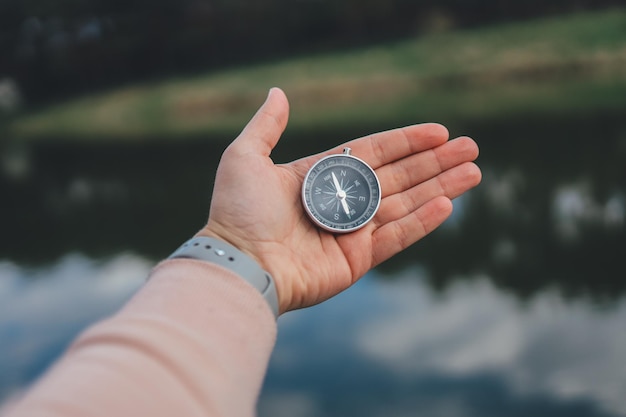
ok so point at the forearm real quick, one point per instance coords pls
(195, 340)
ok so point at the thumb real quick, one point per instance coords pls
(263, 131)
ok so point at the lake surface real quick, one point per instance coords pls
(516, 306)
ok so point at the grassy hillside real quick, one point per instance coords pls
(567, 64)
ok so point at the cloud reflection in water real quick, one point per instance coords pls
(43, 309)
(387, 347)
(471, 350)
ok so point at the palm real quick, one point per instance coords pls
(256, 204)
(283, 238)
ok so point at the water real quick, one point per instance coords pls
(516, 306)
(396, 348)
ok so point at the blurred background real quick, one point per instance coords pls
(113, 116)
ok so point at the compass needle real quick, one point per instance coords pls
(344, 203)
(337, 186)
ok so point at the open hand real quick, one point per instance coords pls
(256, 205)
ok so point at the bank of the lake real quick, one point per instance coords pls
(552, 65)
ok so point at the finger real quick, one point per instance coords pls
(382, 148)
(408, 172)
(396, 236)
(265, 128)
(450, 184)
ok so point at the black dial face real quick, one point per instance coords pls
(341, 193)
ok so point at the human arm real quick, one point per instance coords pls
(196, 339)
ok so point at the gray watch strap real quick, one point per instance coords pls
(223, 254)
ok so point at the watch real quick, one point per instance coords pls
(221, 253)
(341, 193)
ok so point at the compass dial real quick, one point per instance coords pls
(341, 193)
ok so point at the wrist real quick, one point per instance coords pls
(218, 251)
(215, 230)
(239, 244)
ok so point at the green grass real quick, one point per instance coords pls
(566, 64)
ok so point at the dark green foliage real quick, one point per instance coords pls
(66, 47)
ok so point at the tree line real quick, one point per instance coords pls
(66, 47)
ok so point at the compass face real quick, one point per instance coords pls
(341, 193)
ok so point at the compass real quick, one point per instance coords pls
(341, 193)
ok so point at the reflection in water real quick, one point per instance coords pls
(396, 348)
(518, 308)
(575, 209)
(567, 349)
(549, 211)
(383, 348)
(42, 309)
